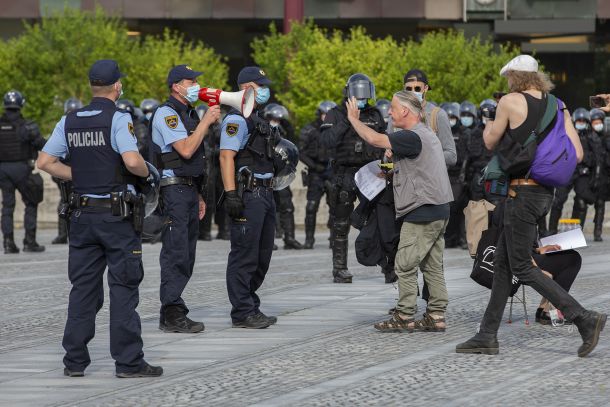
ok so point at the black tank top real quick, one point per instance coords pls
(535, 111)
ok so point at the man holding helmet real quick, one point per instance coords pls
(351, 153)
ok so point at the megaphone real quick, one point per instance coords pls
(242, 100)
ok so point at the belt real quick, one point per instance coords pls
(522, 182)
(87, 201)
(176, 181)
(262, 182)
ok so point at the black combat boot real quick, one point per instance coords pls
(62, 232)
(340, 272)
(175, 320)
(9, 244)
(30, 244)
(580, 211)
(590, 325)
(289, 241)
(205, 228)
(224, 228)
(598, 221)
(310, 229)
(484, 344)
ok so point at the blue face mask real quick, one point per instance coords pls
(466, 121)
(192, 93)
(420, 96)
(361, 103)
(580, 126)
(148, 116)
(262, 95)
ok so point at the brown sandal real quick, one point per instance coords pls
(396, 324)
(429, 324)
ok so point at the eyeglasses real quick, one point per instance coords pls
(414, 89)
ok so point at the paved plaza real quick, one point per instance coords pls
(322, 352)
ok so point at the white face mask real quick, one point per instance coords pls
(598, 127)
(580, 126)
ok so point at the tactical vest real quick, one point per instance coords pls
(12, 148)
(258, 153)
(353, 151)
(96, 167)
(315, 149)
(182, 167)
(461, 141)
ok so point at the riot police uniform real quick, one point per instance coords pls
(277, 116)
(181, 186)
(478, 154)
(140, 124)
(317, 178)
(351, 153)
(601, 178)
(20, 141)
(102, 230)
(455, 234)
(250, 205)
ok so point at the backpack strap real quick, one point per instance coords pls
(549, 113)
(434, 119)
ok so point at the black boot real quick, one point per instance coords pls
(310, 229)
(580, 210)
(598, 221)
(224, 228)
(590, 325)
(205, 227)
(175, 320)
(9, 244)
(390, 275)
(289, 241)
(62, 232)
(30, 244)
(486, 345)
(340, 272)
(554, 220)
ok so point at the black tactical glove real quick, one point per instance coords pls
(233, 204)
(489, 112)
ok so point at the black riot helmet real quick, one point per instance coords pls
(488, 103)
(597, 114)
(383, 105)
(325, 107)
(452, 109)
(201, 109)
(13, 99)
(581, 114)
(285, 162)
(126, 104)
(148, 105)
(72, 104)
(468, 108)
(359, 86)
(274, 111)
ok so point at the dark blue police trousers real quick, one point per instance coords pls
(251, 248)
(177, 258)
(97, 240)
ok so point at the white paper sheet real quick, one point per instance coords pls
(368, 181)
(572, 239)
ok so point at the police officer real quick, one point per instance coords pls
(177, 135)
(246, 163)
(317, 178)
(278, 117)
(597, 125)
(455, 234)
(589, 170)
(351, 153)
(104, 160)
(147, 107)
(478, 154)
(20, 141)
(383, 105)
(140, 124)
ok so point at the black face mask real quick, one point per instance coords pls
(12, 114)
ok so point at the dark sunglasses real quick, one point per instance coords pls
(413, 89)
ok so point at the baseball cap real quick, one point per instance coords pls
(104, 72)
(180, 72)
(417, 75)
(523, 63)
(253, 74)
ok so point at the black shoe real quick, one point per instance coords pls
(275, 246)
(598, 239)
(543, 317)
(145, 371)
(590, 325)
(10, 247)
(71, 373)
(292, 243)
(177, 321)
(32, 246)
(480, 345)
(60, 240)
(272, 320)
(342, 276)
(308, 244)
(252, 322)
(207, 237)
(223, 236)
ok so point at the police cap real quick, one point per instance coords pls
(104, 72)
(180, 72)
(253, 74)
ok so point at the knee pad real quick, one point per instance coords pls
(312, 206)
(341, 228)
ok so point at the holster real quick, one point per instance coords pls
(65, 190)
(244, 181)
(305, 177)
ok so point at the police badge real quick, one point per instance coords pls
(171, 121)
(131, 129)
(232, 129)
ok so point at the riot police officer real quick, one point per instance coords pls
(478, 154)
(351, 153)
(597, 125)
(455, 234)
(104, 166)
(140, 124)
(317, 178)
(589, 170)
(247, 166)
(147, 107)
(177, 135)
(20, 141)
(278, 117)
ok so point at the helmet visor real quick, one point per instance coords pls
(361, 90)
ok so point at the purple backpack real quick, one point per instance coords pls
(555, 159)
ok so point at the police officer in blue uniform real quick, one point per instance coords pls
(20, 141)
(178, 151)
(246, 163)
(104, 164)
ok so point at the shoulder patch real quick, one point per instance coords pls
(171, 121)
(131, 129)
(232, 129)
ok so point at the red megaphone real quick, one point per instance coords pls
(242, 100)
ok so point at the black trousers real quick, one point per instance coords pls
(13, 177)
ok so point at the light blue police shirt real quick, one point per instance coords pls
(234, 136)
(165, 133)
(121, 139)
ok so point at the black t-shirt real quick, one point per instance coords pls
(405, 144)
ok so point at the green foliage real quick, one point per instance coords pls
(311, 64)
(50, 61)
